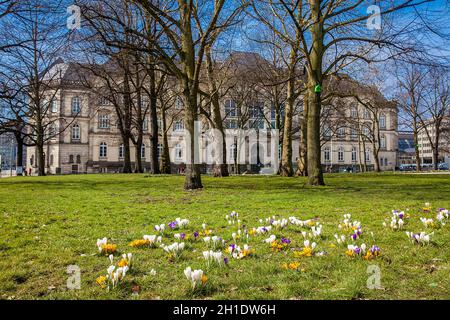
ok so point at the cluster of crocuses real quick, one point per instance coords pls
(297, 222)
(362, 251)
(356, 233)
(348, 224)
(340, 239)
(196, 277)
(233, 218)
(307, 250)
(115, 274)
(420, 238)
(239, 253)
(178, 223)
(397, 220)
(427, 222)
(212, 257)
(277, 245)
(104, 247)
(260, 230)
(174, 250)
(147, 241)
(160, 228)
(215, 242)
(442, 216)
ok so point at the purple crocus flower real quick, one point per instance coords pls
(225, 260)
(357, 250)
(285, 240)
(183, 235)
(195, 234)
(172, 225)
(354, 236)
(400, 215)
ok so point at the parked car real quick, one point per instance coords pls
(443, 166)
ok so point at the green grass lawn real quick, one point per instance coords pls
(49, 223)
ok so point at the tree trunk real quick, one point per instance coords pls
(219, 169)
(40, 159)
(193, 176)
(303, 161)
(165, 156)
(154, 125)
(315, 175)
(20, 146)
(416, 148)
(286, 169)
(138, 161)
(126, 154)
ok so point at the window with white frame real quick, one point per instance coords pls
(76, 132)
(179, 103)
(366, 113)
(233, 150)
(382, 121)
(145, 125)
(76, 105)
(383, 141)
(230, 108)
(104, 101)
(103, 151)
(178, 126)
(341, 154)
(354, 154)
(121, 151)
(341, 132)
(354, 112)
(367, 155)
(178, 152)
(327, 131)
(54, 106)
(353, 133)
(103, 121)
(327, 154)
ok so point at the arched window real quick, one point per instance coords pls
(233, 152)
(354, 154)
(382, 121)
(32, 160)
(103, 150)
(178, 152)
(71, 158)
(51, 160)
(121, 151)
(367, 155)
(327, 154)
(143, 151)
(383, 141)
(76, 132)
(178, 125)
(76, 106)
(341, 154)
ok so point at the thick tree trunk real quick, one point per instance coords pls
(19, 156)
(315, 175)
(154, 125)
(303, 161)
(193, 177)
(286, 169)
(219, 169)
(126, 155)
(138, 161)
(40, 159)
(165, 156)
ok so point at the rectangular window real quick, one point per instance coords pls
(230, 109)
(103, 121)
